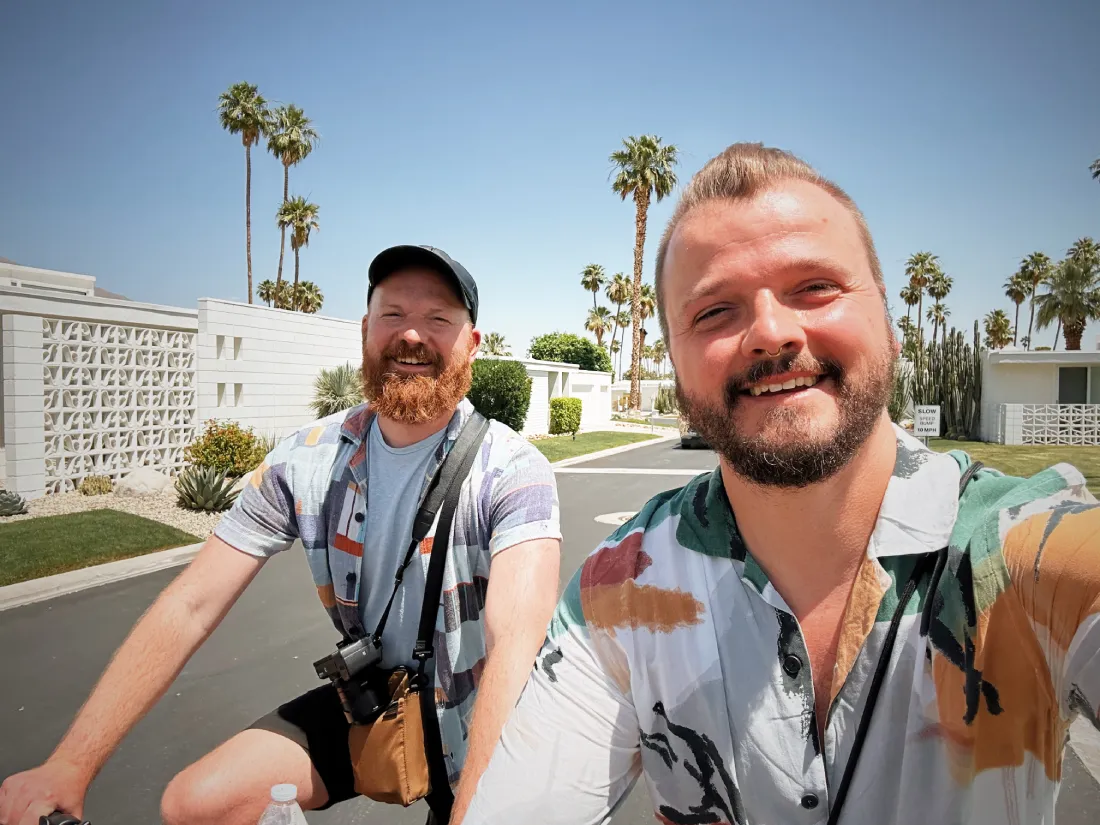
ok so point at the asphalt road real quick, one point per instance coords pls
(261, 655)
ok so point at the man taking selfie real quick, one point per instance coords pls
(361, 490)
(835, 619)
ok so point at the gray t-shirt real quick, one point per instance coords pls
(396, 478)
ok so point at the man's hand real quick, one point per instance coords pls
(54, 786)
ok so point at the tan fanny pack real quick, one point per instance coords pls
(390, 754)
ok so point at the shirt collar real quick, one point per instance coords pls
(356, 425)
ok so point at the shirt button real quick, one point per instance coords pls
(809, 801)
(792, 665)
(359, 517)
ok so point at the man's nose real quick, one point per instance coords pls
(775, 328)
(411, 336)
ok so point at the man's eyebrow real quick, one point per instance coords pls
(825, 267)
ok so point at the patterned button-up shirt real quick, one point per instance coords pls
(313, 487)
(672, 656)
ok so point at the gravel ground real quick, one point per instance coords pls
(159, 507)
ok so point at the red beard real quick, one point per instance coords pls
(414, 399)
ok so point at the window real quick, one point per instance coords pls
(1073, 385)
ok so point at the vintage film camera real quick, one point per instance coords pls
(363, 687)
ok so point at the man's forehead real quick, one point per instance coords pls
(419, 282)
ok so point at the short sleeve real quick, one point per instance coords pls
(524, 501)
(569, 753)
(262, 521)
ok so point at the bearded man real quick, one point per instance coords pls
(349, 487)
(837, 624)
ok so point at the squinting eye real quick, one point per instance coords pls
(710, 313)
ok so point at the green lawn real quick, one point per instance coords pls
(563, 446)
(1027, 460)
(645, 422)
(38, 547)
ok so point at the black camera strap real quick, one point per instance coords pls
(455, 468)
(936, 562)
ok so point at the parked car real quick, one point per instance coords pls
(688, 437)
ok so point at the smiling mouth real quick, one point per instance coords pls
(791, 385)
(411, 362)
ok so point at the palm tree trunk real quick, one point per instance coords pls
(294, 294)
(248, 214)
(1057, 331)
(1074, 331)
(641, 202)
(614, 335)
(1032, 322)
(282, 230)
(920, 323)
(1016, 326)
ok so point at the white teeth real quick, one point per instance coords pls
(789, 384)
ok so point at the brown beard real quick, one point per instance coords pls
(414, 399)
(794, 462)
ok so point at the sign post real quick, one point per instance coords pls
(926, 421)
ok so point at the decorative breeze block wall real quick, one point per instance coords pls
(116, 397)
(1060, 424)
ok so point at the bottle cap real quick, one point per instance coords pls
(284, 793)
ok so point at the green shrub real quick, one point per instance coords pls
(665, 402)
(96, 485)
(501, 390)
(336, 389)
(205, 489)
(565, 416)
(228, 447)
(570, 349)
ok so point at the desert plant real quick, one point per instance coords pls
(501, 390)
(206, 489)
(949, 373)
(565, 416)
(226, 446)
(336, 389)
(665, 402)
(12, 504)
(902, 394)
(96, 485)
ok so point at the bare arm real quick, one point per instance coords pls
(518, 605)
(158, 647)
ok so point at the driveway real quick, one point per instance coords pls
(262, 654)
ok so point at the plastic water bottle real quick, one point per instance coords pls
(283, 808)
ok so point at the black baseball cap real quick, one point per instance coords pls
(389, 261)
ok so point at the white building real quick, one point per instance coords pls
(1041, 397)
(99, 385)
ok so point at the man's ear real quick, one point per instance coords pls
(475, 343)
(363, 325)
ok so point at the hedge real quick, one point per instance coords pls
(501, 390)
(565, 416)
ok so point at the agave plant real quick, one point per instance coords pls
(12, 504)
(336, 390)
(206, 489)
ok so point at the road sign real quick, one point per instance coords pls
(926, 423)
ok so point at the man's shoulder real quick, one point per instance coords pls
(318, 442)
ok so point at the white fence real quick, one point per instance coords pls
(1075, 424)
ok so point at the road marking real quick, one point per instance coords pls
(641, 471)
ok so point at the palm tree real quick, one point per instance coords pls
(493, 344)
(282, 296)
(911, 296)
(647, 308)
(1035, 269)
(920, 269)
(644, 169)
(598, 323)
(1016, 288)
(1073, 298)
(309, 297)
(300, 217)
(618, 292)
(291, 139)
(998, 330)
(622, 320)
(1094, 167)
(938, 315)
(614, 350)
(659, 354)
(593, 279)
(265, 290)
(1085, 251)
(243, 111)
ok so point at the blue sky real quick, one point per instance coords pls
(484, 128)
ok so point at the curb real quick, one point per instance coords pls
(1085, 741)
(566, 462)
(62, 584)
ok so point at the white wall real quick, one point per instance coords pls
(649, 388)
(594, 391)
(538, 414)
(257, 365)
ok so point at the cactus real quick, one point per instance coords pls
(96, 485)
(206, 489)
(12, 504)
(949, 373)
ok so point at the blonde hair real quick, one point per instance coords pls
(741, 172)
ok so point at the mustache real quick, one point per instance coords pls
(789, 362)
(418, 352)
